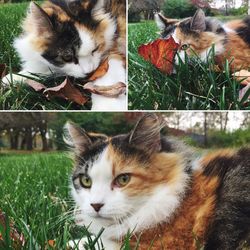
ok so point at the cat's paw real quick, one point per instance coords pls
(85, 243)
(115, 232)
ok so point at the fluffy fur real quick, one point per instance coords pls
(166, 202)
(198, 34)
(73, 37)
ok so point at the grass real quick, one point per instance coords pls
(35, 195)
(195, 86)
(20, 96)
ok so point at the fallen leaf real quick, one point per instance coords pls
(243, 92)
(3, 70)
(100, 71)
(109, 91)
(17, 238)
(67, 91)
(160, 53)
(51, 243)
(36, 85)
(243, 75)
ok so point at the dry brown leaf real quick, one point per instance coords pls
(51, 243)
(243, 74)
(67, 91)
(17, 238)
(36, 85)
(3, 70)
(100, 71)
(109, 91)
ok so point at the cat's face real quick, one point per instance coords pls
(114, 177)
(195, 35)
(71, 40)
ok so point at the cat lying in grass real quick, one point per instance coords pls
(155, 188)
(73, 37)
(202, 36)
(198, 34)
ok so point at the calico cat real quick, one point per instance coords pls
(198, 34)
(73, 37)
(158, 190)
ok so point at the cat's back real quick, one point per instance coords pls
(231, 221)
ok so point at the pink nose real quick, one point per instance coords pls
(97, 206)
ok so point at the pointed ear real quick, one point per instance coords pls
(163, 22)
(76, 137)
(198, 21)
(146, 134)
(40, 19)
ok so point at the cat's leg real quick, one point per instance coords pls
(13, 79)
(115, 74)
(83, 244)
(28, 71)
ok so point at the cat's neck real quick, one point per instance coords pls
(190, 221)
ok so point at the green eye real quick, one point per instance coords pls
(185, 46)
(122, 180)
(85, 181)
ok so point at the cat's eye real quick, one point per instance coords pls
(67, 58)
(122, 180)
(85, 181)
(185, 46)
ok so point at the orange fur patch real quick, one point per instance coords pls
(167, 168)
(189, 227)
(211, 156)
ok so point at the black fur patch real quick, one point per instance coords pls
(244, 31)
(185, 28)
(64, 45)
(121, 143)
(231, 224)
(75, 11)
(168, 31)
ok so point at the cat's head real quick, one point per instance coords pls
(114, 177)
(71, 35)
(195, 35)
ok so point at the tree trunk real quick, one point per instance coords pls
(248, 7)
(226, 7)
(205, 129)
(43, 132)
(29, 139)
(14, 139)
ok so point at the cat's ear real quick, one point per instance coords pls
(198, 21)
(40, 19)
(163, 22)
(76, 137)
(146, 134)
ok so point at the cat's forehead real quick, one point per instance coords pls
(113, 154)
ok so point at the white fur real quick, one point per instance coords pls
(34, 63)
(134, 213)
(116, 73)
(159, 22)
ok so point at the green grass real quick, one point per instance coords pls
(195, 86)
(11, 16)
(20, 96)
(35, 195)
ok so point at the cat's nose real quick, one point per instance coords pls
(97, 206)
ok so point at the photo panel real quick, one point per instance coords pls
(189, 55)
(63, 55)
(124, 180)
